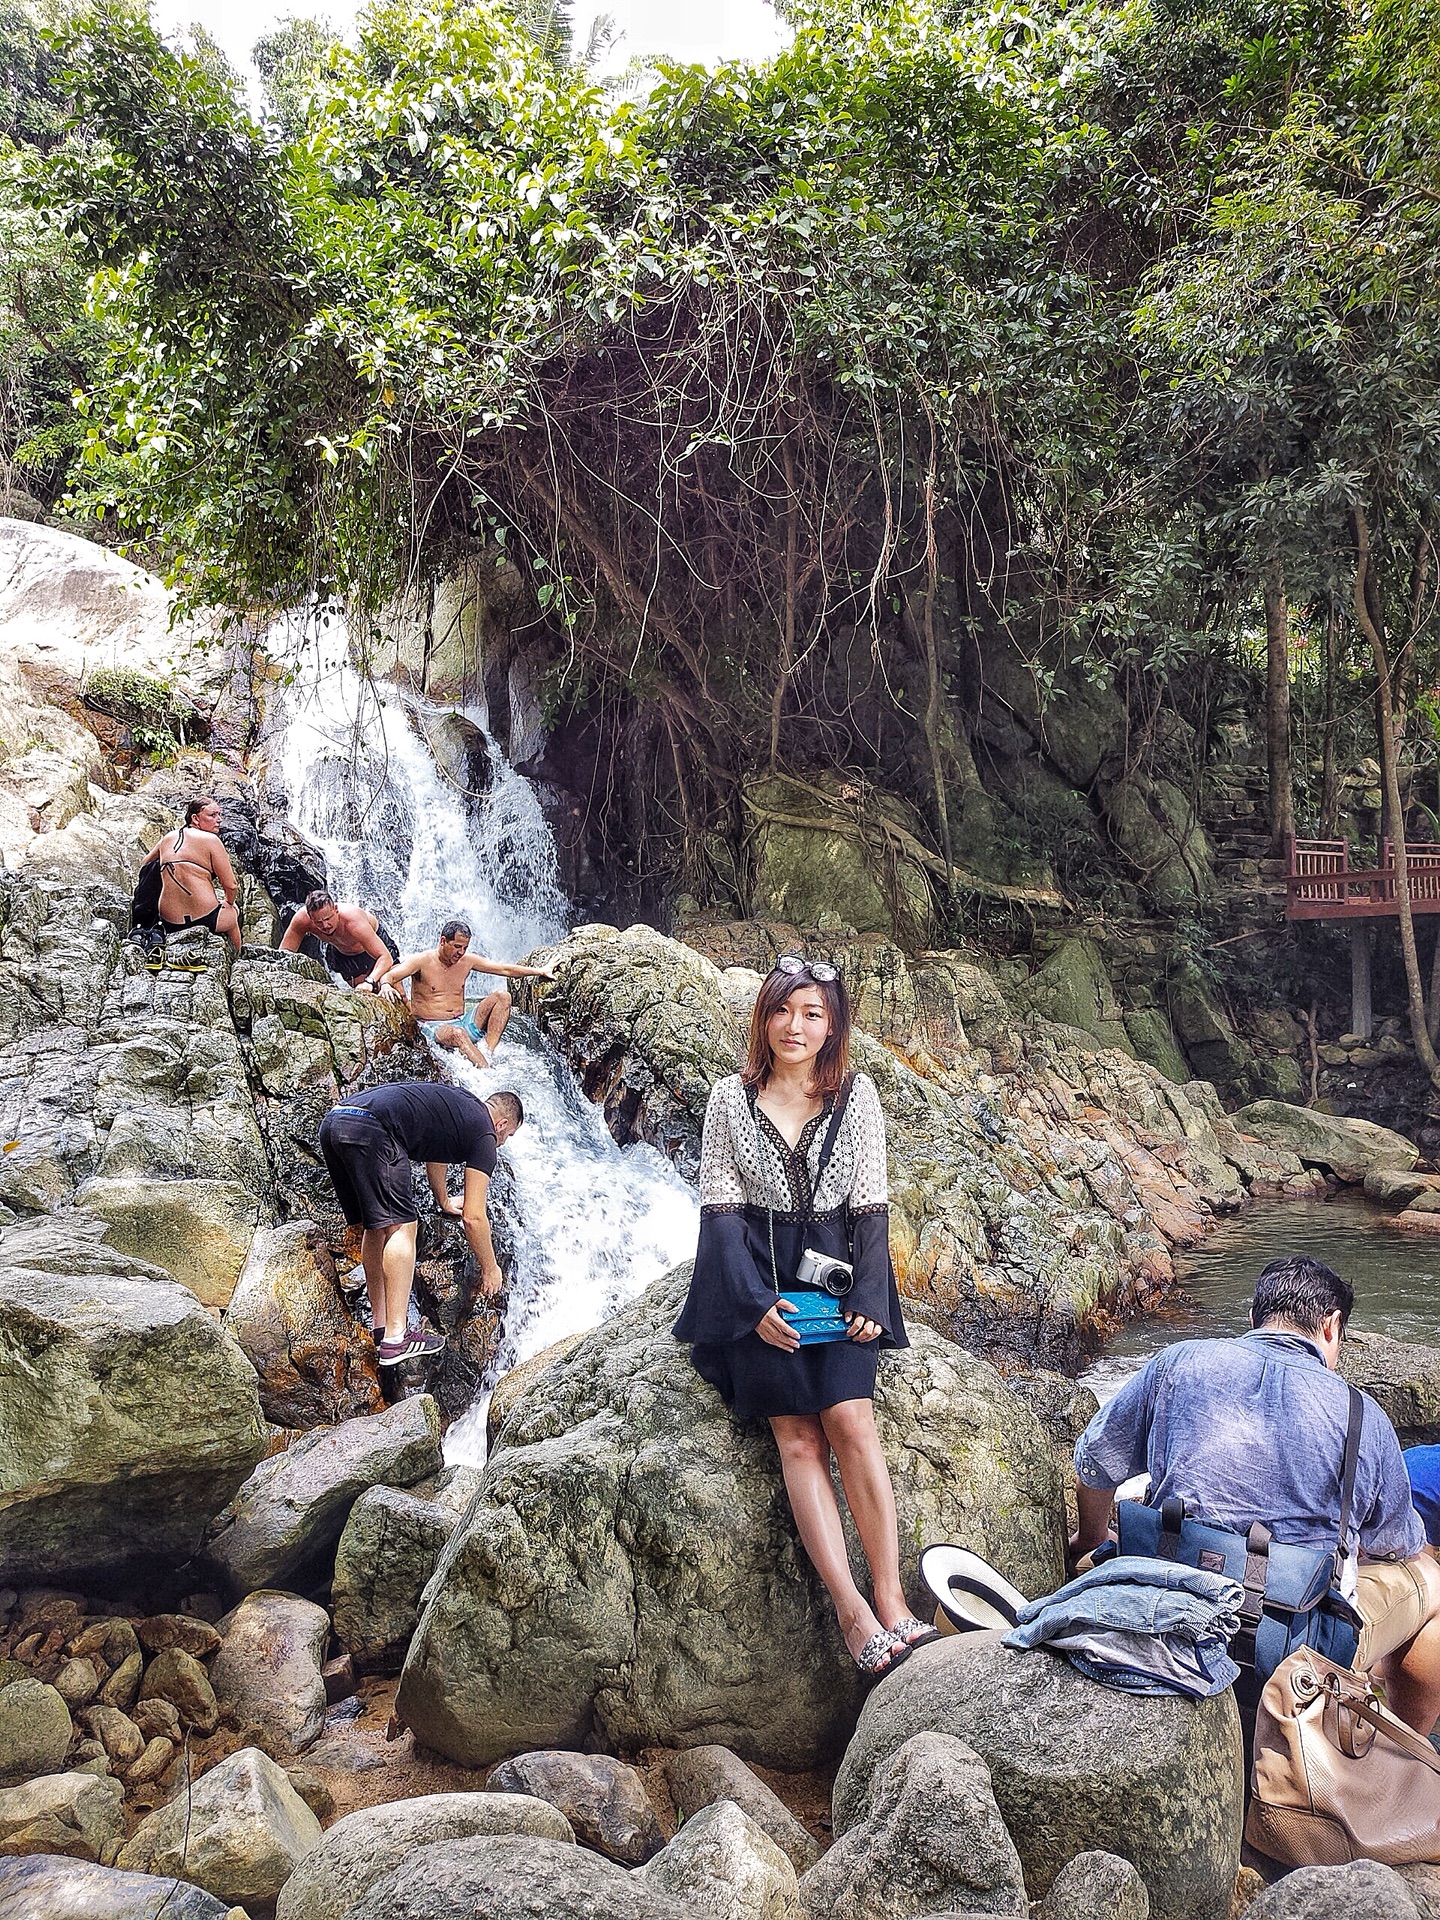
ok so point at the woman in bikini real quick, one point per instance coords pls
(194, 870)
(793, 1157)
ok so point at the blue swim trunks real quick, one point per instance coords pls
(430, 1028)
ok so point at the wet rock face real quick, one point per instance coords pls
(629, 1573)
(1020, 1206)
(129, 1416)
(315, 1364)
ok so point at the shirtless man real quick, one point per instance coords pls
(437, 998)
(354, 943)
(195, 871)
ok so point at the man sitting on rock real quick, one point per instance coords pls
(368, 1142)
(353, 943)
(437, 998)
(1253, 1429)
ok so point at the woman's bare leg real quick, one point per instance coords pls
(850, 1429)
(805, 1462)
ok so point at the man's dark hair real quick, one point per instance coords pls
(1301, 1291)
(198, 805)
(321, 897)
(508, 1103)
(452, 927)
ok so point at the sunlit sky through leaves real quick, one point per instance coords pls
(706, 30)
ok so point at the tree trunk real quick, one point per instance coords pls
(1277, 702)
(1368, 618)
(1329, 771)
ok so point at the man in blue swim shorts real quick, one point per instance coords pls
(437, 994)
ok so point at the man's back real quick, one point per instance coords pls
(1253, 1429)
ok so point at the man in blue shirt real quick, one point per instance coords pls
(1254, 1429)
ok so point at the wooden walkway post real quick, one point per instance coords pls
(1362, 1017)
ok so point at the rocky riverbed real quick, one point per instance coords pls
(262, 1649)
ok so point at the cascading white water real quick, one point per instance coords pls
(592, 1224)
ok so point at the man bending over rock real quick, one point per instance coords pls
(368, 1142)
(437, 998)
(197, 880)
(1253, 1429)
(354, 943)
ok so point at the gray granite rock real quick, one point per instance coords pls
(1096, 1886)
(604, 1800)
(928, 1836)
(513, 1879)
(64, 1813)
(1070, 1761)
(35, 1729)
(699, 1776)
(1363, 1890)
(286, 1521)
(727, 1868)
(387, 1553)
(240, 1832)
(267, 1675)
(47, 1887)
(364, 1847)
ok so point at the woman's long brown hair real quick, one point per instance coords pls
(833, 1060)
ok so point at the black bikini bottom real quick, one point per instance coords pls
(206, 920)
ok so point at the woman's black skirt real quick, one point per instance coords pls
(758, 1381)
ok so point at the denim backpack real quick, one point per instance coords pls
(1292, 1594)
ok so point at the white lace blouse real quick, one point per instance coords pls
(745, 1160)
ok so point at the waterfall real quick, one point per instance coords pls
(591, 1224)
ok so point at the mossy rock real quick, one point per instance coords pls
(816, 849)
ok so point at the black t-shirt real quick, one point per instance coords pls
(434, 1122)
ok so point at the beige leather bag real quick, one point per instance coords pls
(1336, 1776)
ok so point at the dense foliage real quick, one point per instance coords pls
(805, 408)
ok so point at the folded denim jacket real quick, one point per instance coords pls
(1145, 1626)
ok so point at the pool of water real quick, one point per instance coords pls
(1396, 1277)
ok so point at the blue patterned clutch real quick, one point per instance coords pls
(817, 1317)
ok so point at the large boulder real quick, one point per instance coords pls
(49, 1887)
(513, 1879)
(629, 1573)
(67, 1813)
(727, 1868)
(268, 1675)
(810, 850)
(35, 1729)
(1350, 1149)
(386, 1555)
(240, 1832)
(1070, 1761)
(931, 1839)
(1403, 1377)
(286, 1521)
(315, 1365)
(127, 1416)
(1361, 1890)
(365, 1846)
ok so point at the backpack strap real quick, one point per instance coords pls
(1353, 1429)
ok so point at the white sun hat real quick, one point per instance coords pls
(969, 1594)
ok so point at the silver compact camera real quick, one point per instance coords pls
(824, 1271)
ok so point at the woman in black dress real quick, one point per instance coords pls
(793, 1157)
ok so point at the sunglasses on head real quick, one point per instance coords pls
(817, 969)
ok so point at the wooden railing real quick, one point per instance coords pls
(1321, 884)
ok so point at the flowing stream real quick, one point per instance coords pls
(1396, 1277)
(591, 1224)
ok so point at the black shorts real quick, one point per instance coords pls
(371, 1170)
(357, 966)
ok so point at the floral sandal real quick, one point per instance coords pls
(911, 1632)
(881, 1654)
